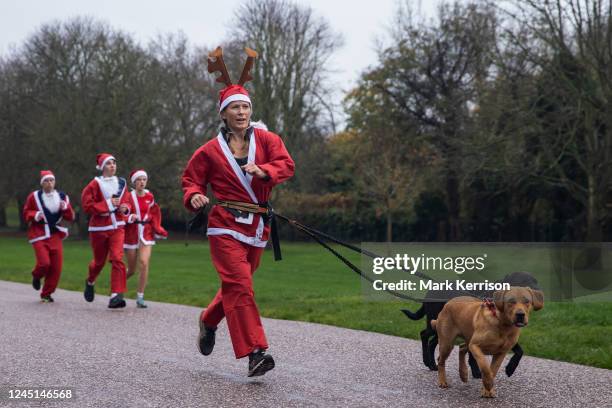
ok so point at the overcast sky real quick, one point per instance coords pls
(204, 22)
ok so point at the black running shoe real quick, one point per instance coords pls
(47, 299)
(260, 363)
(206, 339)
(89, 292)
(36, 283)
(116, 302)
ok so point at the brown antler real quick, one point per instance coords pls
(218, 65)
(246, 71)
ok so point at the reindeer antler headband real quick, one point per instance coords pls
(216, 64)
(231, 92)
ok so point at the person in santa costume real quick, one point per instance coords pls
(106, 200)
(43, 211)
(242, 164)
(143, 228)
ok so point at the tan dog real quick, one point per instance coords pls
(488, 329)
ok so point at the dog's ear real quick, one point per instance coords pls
(537, 297)
(498, 298)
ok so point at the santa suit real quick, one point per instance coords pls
(46, 235)
(236, 244)
(106, 228)
(144, 224)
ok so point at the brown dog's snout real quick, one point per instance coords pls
(520, 318)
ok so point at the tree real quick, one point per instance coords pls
(291, 91)
(77, 88)
(431, 73)
(569, 43)
(387, 164)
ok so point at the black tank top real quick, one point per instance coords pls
(242, 161)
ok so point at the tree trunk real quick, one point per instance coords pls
(594, 229)
(452, 201)
(389, 226)
(22, 224)
(3, 216)
(589, 270)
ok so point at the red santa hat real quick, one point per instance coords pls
(46, 175)
(102, 158)
(231, 94)
(138, 173)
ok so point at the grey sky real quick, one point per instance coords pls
(204, 23)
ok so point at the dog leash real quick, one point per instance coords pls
(265, 209)
(353, 267)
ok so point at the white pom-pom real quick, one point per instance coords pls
(259, 125)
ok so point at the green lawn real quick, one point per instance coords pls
(311, 285)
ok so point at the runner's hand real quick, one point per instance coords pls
(253, 169)
(198, 201)
(115, 201)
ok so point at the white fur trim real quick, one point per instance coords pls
(106, 227)
(139, 173)
(245, 180)
(253, 241)
(234, 98)
(110, 205)
(48, 176)
(100, 167)
(40, 210)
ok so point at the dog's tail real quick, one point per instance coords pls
(434, 323)
(418, 315)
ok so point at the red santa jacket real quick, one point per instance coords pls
(50, 222)
(104, 216)
(214, 163)
(144, 224)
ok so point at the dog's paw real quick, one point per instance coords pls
(442, 384)
(488, 393)
(463, 374)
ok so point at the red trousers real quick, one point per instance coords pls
(235, 263)
(49, 255)
(108, 244)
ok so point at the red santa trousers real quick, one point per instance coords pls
(108, 244)
(49, 255)
(235, 263)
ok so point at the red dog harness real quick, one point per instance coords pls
(491, 306)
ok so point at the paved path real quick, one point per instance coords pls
(148, 358)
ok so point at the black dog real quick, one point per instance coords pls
(435, 301)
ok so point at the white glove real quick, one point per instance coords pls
(63, 205)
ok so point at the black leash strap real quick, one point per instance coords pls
(274, 236)
(308, 231)
(268, 212)
(315, 234)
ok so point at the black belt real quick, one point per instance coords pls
(238, 209)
